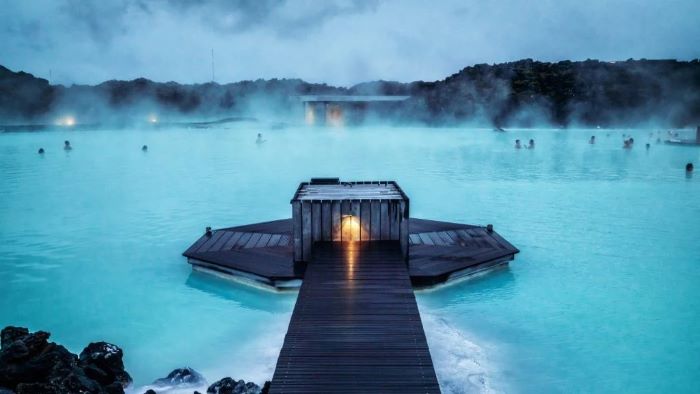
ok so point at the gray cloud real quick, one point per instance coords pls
(335, 41)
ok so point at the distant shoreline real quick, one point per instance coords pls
(28, 128)
(523, 93)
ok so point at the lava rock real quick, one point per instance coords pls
(30, 364)
(16, 350)
(103, 362)
(230, 386)
(10, 334)
(37, 388)
(150, 391)
(182, 377)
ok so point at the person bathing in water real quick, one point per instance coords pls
(517, 144)
(66, 145)
(592, 140)
(531, 144)
(260, 139)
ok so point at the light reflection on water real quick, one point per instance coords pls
(603, 297)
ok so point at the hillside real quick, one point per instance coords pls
(522, 93)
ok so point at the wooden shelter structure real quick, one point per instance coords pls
(327, 210)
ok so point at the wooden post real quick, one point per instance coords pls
(385, 220)
(326, 221)
(316, 220)
(296, 231)
(375, 221)
(306, 230)
(335, 213)
(403, 232)
(395, 214)
(365, 220)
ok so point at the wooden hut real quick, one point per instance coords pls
(326, 209)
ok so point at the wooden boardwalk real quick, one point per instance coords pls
(438, 252)
(355, 326)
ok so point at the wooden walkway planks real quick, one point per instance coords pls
(437, 251)
(355, 326)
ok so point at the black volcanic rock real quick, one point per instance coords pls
(181, 377)
(10, 334)
(102, 361)
(30, 364)
(230, 386)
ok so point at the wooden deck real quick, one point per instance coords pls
(355, 326)
(438, 252)
(261, 251)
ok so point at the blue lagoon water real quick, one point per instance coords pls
(604, 296)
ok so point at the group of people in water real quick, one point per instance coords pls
(628, 143)
(530, 144)
(67, 146)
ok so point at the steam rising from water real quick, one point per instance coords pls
(257, 364)
(462, 366)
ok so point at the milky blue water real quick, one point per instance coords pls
(604, 296)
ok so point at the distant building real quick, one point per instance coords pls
(338, 110)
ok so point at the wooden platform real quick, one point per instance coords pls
(263, 252)
(355, 326)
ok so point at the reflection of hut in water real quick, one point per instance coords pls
(338, 110)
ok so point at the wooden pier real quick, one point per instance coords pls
(263, 252)
(355, 326)
(356, 255)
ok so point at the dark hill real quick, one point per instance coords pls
(522, 93)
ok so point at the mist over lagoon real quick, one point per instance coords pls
(133, 131)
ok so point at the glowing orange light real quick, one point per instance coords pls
(334, 116)
(350, 228)
(351, 262)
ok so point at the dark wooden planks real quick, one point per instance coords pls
(464, 246)
(355, 326)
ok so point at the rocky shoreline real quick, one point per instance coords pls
(30, 364)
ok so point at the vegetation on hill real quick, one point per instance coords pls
(522, 93)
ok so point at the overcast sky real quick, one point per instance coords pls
(335, 41)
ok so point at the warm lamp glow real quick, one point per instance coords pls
(351, 263)
(350, 228)
(66, 121)
(334, 116)
(153, 119)
(310, 115)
